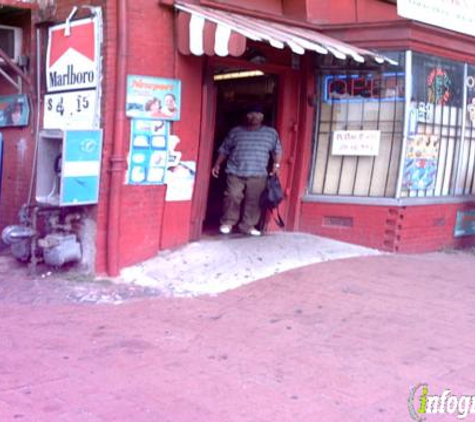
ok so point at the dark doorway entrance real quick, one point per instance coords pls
(234, 96)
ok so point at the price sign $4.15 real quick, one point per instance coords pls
(82, 103)
(71, 110)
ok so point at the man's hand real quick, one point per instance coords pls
(275, 169)
(215, 170)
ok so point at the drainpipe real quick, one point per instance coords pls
(117, 159)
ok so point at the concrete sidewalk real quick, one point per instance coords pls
(341, 340)
(222, 263)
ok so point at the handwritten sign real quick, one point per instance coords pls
(356, 142)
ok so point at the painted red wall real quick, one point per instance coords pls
(268, 6)
(350, 11)
(407, 229)
(177, 215)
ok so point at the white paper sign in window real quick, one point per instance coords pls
(356, 142)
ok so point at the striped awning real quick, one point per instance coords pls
(207, 31)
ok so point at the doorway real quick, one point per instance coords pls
(233, 97)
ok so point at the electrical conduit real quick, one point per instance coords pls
(117, 159)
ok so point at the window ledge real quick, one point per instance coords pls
(393, 202)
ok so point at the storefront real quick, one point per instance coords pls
(375, 112)
(225, 58)
(393, 159)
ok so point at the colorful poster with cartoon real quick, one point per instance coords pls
(420, 166)
(153, 98)
(148, 157)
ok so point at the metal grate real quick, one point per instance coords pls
(440, 154)
(359, 101)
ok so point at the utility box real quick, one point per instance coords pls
(68, 168)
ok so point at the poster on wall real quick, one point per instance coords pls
(180, 176)
(148, 156)
(153, 98)
(420, 166)
(180, 181)
(14, 110)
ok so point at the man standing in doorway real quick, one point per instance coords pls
(247, 149)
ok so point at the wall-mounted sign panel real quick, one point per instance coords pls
(68, 167)
(148, 157)
(73, 58)
(356, 142)
(81, 167)
(458, 16)
(71, 110)
(464, 224)
(14, 110)
(153, 98)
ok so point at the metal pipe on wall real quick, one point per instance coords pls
(117, 159)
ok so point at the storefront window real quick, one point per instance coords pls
(360, 121)
(435, 119)
(466, 179)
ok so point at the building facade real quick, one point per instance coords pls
(374, 109)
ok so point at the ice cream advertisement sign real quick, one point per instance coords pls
(72, 60)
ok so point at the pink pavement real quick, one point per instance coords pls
(338, 341)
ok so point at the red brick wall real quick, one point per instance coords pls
(62, 11)
(18, 143)
(140, 223)
(151, 52)
(407, 229)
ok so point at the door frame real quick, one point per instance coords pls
(287, 124)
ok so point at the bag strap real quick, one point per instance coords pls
(278, 219)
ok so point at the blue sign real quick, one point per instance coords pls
(153, 98)
(14, 110)
(81, 167)
(148, 157)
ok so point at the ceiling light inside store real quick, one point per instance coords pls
(237, 75)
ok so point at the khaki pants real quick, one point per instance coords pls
(238, 188)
